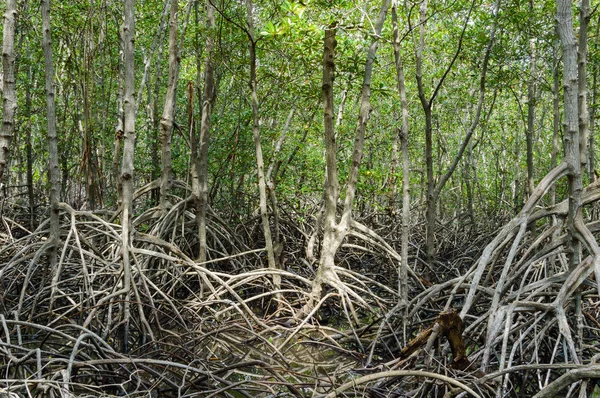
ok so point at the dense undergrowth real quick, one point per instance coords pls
(221, 329)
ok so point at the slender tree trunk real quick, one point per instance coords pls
(403, 270)
(571, 126)
(119, 125)
(329, 246)
(153, 101)
(582, 53)
(9, 100)
(28, 144)
(91, 170)
(271, 178)
(433, 189)
(166, 122)
(128, 156)
(54, 170)
(430, 202)
(260, 165)
(208, 97)
(335, 232)
(529, 136)
(592, 140)
(556, 118)
(583, 116)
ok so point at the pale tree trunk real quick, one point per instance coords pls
(208, 97)
(91, 169)
(272, 174)
(392, 180)
(531, 102)
(582, 53)
(154, 123)
(128, 156)
(555, 120)
(9, 100)
(592, 141)
(331, 182)
(334, 232)
(166, 122)
(260, 165)
(403, 269)
(28, 144)
(430, 202)
(570, 123)
(584, 19)
(433, 189)
(54, 171)
(119, 126)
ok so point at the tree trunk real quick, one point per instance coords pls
(433, 189)
(91, 171)
(403, 269)
(271, 178)
(334, 232)
(582, 53)
(128, 156)
(54, 171)
(571, 127)
(119, 126)
(260, 165)
(529, 135)
(326, 260)
(208, 97)
(592, 140)
(166, 122)
(28, 144)
(9, 101)
(556, 118)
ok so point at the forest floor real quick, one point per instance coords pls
(501, 315)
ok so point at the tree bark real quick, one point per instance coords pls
(9, 100)
(530, 117)
(116, 160)
(271, 178)
(582, 53)
(128, 156)
(166, 122)
(260, 165)
(208, 97)
(403, 269)
(556, 118)
(335, 232)
(326, 260)
(592, 127)
(529, 134)
(54, 171)
(28, 144)
(571, 125)
(433, 189)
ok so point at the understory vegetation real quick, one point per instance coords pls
(299, 198)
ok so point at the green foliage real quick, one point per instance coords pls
(289, 49)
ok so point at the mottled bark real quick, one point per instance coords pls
(9, 100)
(128, 156)
(208, 97)
(29, 145)
(571, 124)
(403, 131)
(531, 99)
(556, 118)
(54, 171)
(260, 165)
(166, 122)
(530, 133)
(335, 232)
